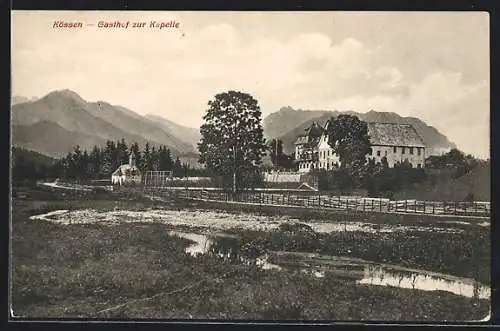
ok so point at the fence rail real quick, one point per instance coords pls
(323, 201)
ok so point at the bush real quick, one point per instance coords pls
(387, 181)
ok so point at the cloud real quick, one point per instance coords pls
(174, 73)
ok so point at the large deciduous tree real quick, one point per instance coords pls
(232, 143)
(349, 139)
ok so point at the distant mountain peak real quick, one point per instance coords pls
(65, 113)
(66, 94)
(287, 108)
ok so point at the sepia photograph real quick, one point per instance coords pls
(250, 166)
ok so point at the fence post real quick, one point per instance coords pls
(406, 206)
(380, 203)
(364, 203)
(425, 210)
(373, 205)
(433, 208)
(319, 199)
(475, 208)
(455, 207)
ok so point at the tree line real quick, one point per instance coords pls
(101, 162)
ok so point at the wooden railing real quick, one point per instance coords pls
(475, 208)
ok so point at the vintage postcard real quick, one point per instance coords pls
(264, 166)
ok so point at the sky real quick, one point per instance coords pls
(430, 65)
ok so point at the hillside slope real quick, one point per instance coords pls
(51, 139)
(442, 187)
(188, 135)
(128, 121)
(21, 154)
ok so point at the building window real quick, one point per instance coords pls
(371, 151)
(411, 150)
(418, 150)
(402, 150)
(385, 153)
(328, 152)
(419, 165)
(378, 153)
(394, 149)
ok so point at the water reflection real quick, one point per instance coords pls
(229, 248)
(379, 275)
(201, 242)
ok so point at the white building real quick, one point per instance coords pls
(127, 173)
(306, 151)
(397, 142)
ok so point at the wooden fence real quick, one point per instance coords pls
(475, 208)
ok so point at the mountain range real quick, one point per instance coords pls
(55, 123)
(288, 123)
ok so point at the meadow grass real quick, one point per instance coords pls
(83, 270)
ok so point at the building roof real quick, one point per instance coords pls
(312, 134)
(394, 134)
(315, 130)
(384, 134)
(126, 169)
(301, 140)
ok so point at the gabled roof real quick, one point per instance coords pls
(384, 134)
(312, 133)
(126, 169)
(394, 134)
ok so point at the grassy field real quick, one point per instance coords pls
(440, 185)
(465, 254)
(139, 271)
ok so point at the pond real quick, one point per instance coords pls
(229, 248)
